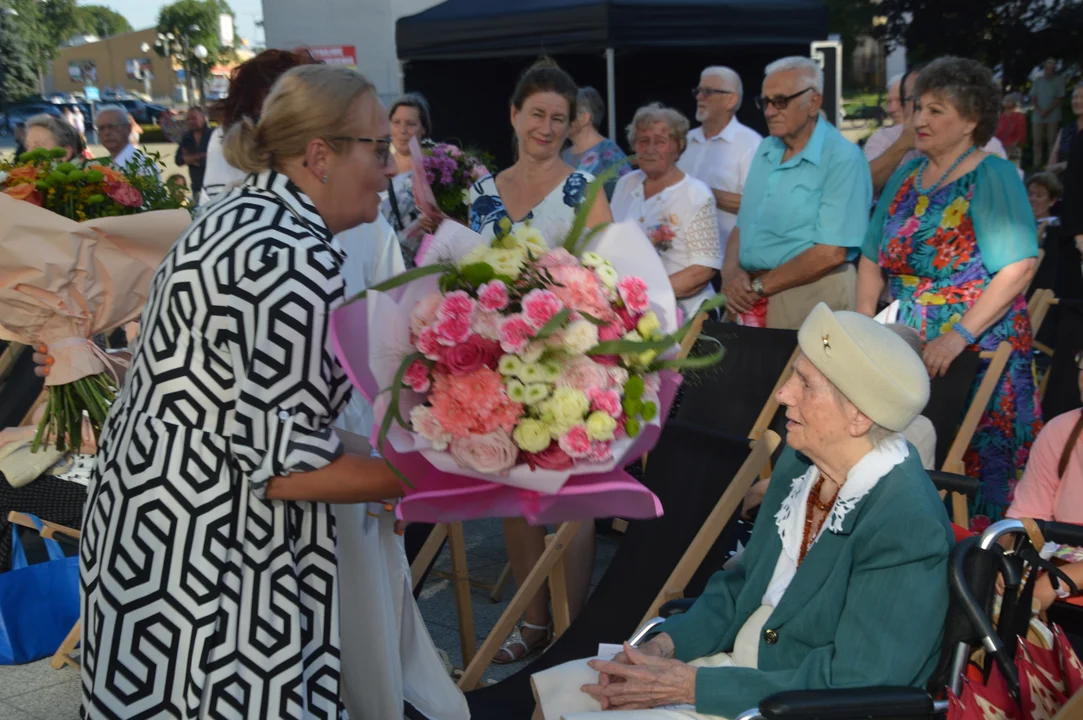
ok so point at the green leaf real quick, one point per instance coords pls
(402, 279)
(554, 323)
(593, 320)
(619, 347)
(392, 413)
(691, 363)
(575, 234)
(478, 274)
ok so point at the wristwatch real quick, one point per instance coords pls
(757, 287)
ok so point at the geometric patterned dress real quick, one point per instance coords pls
(938, 264)
(201, 597)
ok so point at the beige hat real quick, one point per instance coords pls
(872, 366)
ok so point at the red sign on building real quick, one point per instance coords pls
(334, 54)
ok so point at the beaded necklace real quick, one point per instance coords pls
(936, 185)
(814, 502)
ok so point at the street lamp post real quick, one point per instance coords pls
(201, 53)
(147, 74)
(5, 12)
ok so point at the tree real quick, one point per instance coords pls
(101, 21)
(179, 17)
(1000, 33)
(18, 72)
(43, 26)
(850, 19)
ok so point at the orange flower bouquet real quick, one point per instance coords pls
(78, 249)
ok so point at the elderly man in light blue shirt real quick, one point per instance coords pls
(804, 211)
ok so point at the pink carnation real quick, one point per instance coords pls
(515, 333)
(628, 318)
(468, 356)
(492, 453)
(474, 403)
(493, 295)
(607, 401)
(557, 257)
(583, 373)
(417, 377)
(551, 458)
(579, 289)
(576, 442)
(633, 291)
(453, 330)
(539, 306)
(424, 313)
(600, 451)
(487, 324)
(457, 305)
(428, 344)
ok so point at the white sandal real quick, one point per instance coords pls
(516, 638)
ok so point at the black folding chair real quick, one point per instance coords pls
(1062, 382)
(689, 470)
(972, 573)
(733, 396)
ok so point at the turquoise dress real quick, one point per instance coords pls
(940, 251)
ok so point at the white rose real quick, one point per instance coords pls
(580, 336)
(427, 426)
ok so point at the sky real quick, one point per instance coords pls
(144, 13)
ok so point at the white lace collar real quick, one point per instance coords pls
(862, 478)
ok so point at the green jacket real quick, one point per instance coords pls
(866, 608)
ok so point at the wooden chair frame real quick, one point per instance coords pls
(954, 462)
(63, 655)
(549, 568)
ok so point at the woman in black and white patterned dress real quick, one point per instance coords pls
(208, 557)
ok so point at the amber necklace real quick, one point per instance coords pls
(814, 502)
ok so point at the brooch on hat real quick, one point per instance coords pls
(827, 342)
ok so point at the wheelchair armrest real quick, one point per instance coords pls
(952, 482)
(676, 607)
(848, 704)
(1059, 532)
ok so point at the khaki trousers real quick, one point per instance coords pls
(789, 308)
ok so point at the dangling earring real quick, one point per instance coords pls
(324, 180)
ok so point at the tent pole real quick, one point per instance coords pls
(611, 92)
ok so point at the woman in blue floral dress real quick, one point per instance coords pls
(956, 239)
(591, 152)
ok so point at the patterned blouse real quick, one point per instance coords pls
(552, 217)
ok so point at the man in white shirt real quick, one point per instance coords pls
(113, 129)
(720, 150)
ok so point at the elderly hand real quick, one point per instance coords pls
(753, 498)
(941, 352)
(643, 682)
(737, 287)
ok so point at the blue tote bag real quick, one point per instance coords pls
(39, 603)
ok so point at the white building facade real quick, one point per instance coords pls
(366, 26)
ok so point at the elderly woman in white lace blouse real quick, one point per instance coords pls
(675, 210)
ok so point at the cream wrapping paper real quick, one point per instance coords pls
(62, 282)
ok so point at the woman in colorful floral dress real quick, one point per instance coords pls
(956, 239)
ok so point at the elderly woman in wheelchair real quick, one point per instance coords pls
(843, 582)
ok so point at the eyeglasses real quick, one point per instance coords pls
(779, 102)
(119, 127)
(383, 146)
(710, 91)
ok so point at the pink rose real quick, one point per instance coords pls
(539, 306)
(557, 257)
(124, 194)
(583, 373)
(457, 305)
(607, 360)
(493, 295)
(493, 453)
(453, 330)
(551, 458)
(487, 324)
(629, 319)
(515, 333)
(608, 333)
(424, 313)
(475, 353)
(633, 291)
(607, 401)
(579, 289)
(417, 377)
(428, 344)
(576, 442)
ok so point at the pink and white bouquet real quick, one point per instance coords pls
(518, 364)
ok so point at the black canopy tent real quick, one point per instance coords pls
(473, 50)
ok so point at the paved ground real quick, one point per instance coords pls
(37, 692)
